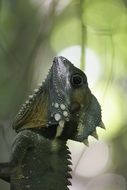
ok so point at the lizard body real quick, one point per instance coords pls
(62, 108)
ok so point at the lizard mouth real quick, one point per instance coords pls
(80, 127)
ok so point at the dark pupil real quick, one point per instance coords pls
(77, 80)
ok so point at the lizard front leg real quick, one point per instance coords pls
(22, 142)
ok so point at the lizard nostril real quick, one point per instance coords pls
(75, 107)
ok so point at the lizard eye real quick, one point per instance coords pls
(77, 80)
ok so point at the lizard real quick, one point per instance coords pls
(62, 108)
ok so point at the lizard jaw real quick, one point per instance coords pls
(89, 120)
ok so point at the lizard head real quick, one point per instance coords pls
(63, 105)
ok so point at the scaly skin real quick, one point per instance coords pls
(43, 163)
(62, 108)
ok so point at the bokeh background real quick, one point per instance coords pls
(93, 35)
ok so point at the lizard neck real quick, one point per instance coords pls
(60, 162)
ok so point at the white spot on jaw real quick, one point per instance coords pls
(57, 116)
(62, 106)
(65, 113)
(56, 105)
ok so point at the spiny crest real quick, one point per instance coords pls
(26, 108)
(23, 112)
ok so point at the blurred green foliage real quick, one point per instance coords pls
(32, 32)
